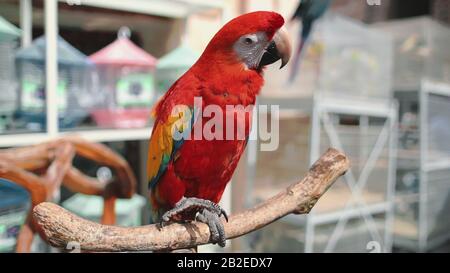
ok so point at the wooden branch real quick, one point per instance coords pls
(76, 181)
(28, 158)
(35, 185)
(54, 176)
(60, 227)
(122, 187)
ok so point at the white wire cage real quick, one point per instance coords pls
(319, 111)
(422, 77)
(423, 188)
(421, 51)
(74, 93)
(342, 59)
(358, 210)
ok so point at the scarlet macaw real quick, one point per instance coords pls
(187, 177)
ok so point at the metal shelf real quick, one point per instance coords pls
(437, 166)
(164, 8)
(112, 134)
(97, 135)
(22, 139)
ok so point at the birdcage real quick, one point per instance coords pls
(8, 96)
(173, 65)
(343, 59)
(421, 51)
(74, 95)
(422, 88)
(125, 74)
(423, 184)
(340, 98)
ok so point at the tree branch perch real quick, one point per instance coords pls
(59, 227)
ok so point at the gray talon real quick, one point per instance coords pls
(224, 213)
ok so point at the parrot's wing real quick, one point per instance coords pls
(169, 131)
(167, 138)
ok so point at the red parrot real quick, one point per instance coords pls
(188, 176)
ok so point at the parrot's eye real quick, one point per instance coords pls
(250, 39)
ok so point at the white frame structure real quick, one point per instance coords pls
(320, 108)
(388, 136)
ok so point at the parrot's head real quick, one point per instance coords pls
(253, 40)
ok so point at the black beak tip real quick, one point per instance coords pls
(270, 55)
(273, 55)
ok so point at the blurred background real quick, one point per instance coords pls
(372, 79)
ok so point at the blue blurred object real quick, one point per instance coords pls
(308, 12)
(38, 121)
(14, 205)
(67, 54)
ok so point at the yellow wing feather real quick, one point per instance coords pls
(161, 142)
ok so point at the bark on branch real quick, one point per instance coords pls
(60, 227)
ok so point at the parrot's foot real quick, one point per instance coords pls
(215, 225)
(202, 210)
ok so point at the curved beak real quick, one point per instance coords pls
(279, 48)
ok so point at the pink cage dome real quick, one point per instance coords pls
(123, 52)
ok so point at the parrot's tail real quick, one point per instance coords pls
(307, 26)
(156, 211)
(295, 69)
